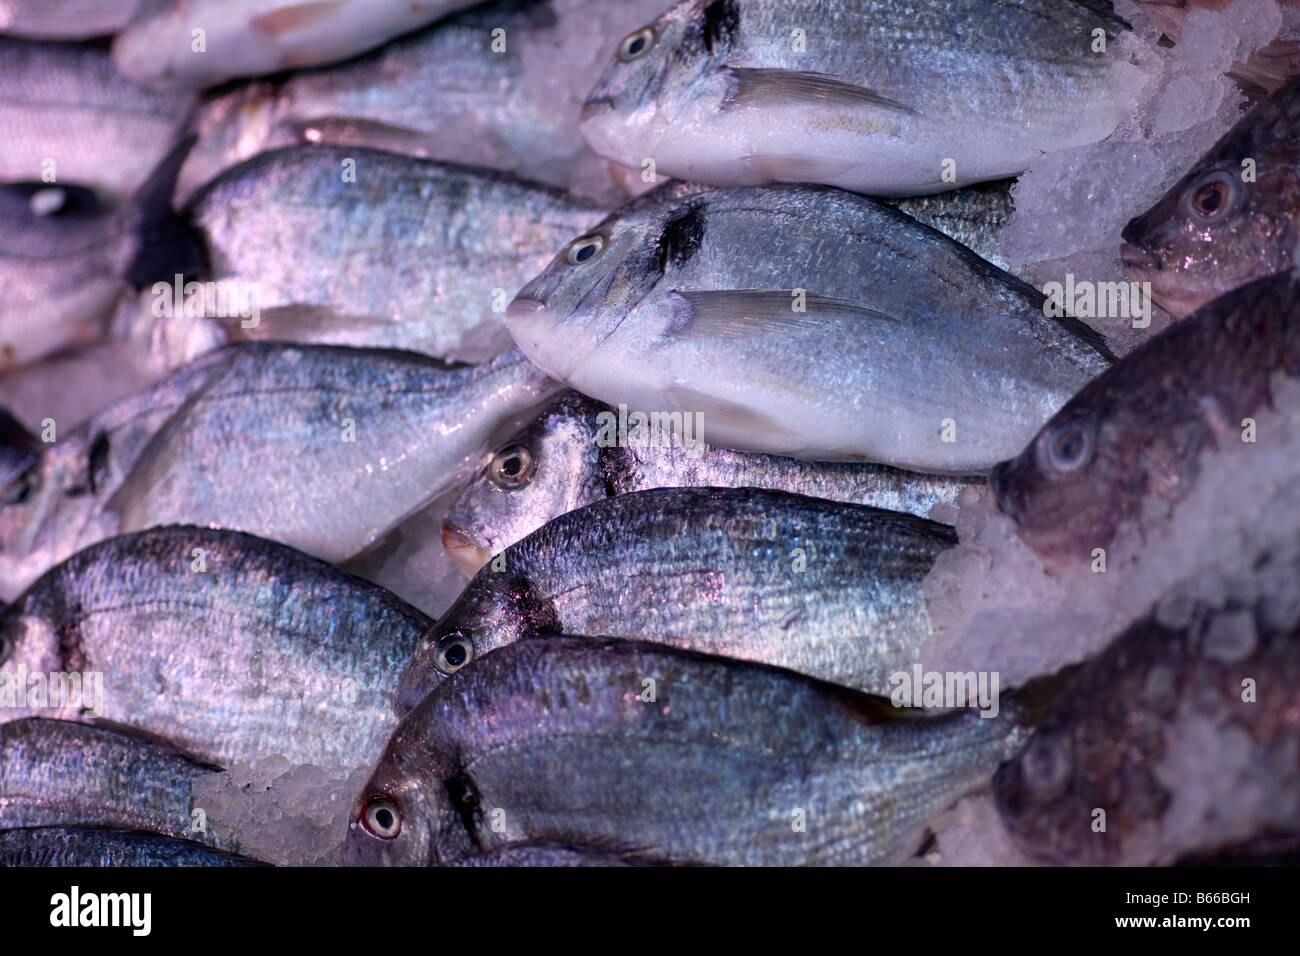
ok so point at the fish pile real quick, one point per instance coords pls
(577, 433)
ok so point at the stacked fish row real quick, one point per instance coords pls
(355, 350)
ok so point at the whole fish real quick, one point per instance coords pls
(322, 448)
(826, 589)
(809, 322)
(553, 741)
(880, 96)
(65, 262)
(60, 773)
(225, 645)
(70, 117)
(455, 91)
(1234, 218)
(1183, 732)
(100, 846)
(250, 37)
(348, 246)
(973, 216)
(572, 456)
(65, 19)
(1141, 430)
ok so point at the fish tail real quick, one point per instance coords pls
(165, 245)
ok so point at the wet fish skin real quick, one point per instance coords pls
(67, 102)
(201, 447)
(66, 19)
(823, 588)
(973, 216)
(227, 646)
(98, 846)
(1212, 231)
(63, 773)
(1139, 430)
(433, 251)
(555, 733)
(252, 37)
(568, 468)
(882, 95)
(1107, 739)
(690, 306)
(528, 854)
(486, 111)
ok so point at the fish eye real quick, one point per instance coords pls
(511, 468)
(382, 818)
(636, 45)
(1066, 448)
(20, 490)
(585, 249)
(1212, 196)
(453, 652)
(1046, 766)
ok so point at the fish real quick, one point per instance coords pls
(530, 854)
(70, 117)
(65, 261)
(336, 245)
(226, 646)
(1180, 737)
(571, 457)
(252, 37)
(488, 109)
(64, 773)
(973, 216)
(827, 589)
(107, 846)
(1140, 432)
(323, 448)
(553, 741)
(1268, 66)
(876, 96)
(66, 19)
(1233, 218)
(808, 322)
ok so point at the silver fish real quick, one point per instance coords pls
(65, 262)
(881, 96)
(98, 846)
(227, 646)
(973, 216)
(69, 116)
(251, 37)
(65, 19)
(455, 91)
(349, 246)
(553, 741)
(572, 456)
(826, 589)
(320, 447)
(808, 322)
(60, 773)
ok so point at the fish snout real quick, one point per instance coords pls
(1139, 260)
(467, 556)
(1001, 479)
(595, 108)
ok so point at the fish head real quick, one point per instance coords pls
(1062, 491)
(561, 317)
(545, 470)
(403, 815)
(650, 74)
(496, 608)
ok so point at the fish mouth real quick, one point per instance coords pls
(1139, 261)
(466, 555)
(593, 109)
(1000, 482)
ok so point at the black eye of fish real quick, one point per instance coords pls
(382, 818)
(636, 44)
(452, 653)
(511, 468)
(585, 249)
(1212, 196)
(19, 492)
(1067, 448)
(1046, 766)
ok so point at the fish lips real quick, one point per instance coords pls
(467, 555)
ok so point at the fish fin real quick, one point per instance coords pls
(701, 316)
(349, 131)
(294, 16)
(165, 245)
(295, 323)
(793, 168)
(765, 88)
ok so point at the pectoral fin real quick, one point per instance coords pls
(769, 88)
